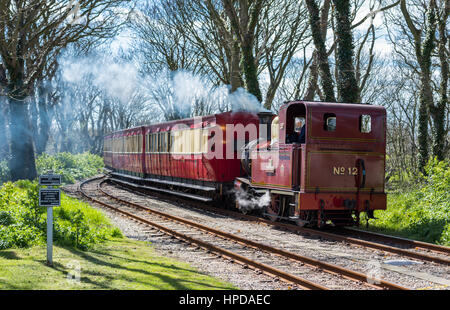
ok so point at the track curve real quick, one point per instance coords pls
(329, 268)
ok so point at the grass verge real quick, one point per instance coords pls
(420, 213)
(118, 263)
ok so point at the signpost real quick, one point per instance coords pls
(49, 197)
(50, 179)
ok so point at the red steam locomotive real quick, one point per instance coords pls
(315, 163)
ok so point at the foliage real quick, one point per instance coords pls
(23, 222)
(71, 167)
(424, 212)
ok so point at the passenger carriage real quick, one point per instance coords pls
(184, 157)
(330, 174)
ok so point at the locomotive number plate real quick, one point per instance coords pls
(345, 170)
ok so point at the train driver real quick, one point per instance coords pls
(298, 136)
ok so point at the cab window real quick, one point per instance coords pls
(365, 124)
(329, 122)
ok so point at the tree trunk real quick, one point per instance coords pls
(270, 94)
(312, 80)
(250, 69)
(243, 26)
(22, 163)
(347, 86)
(322, 58)
(235, 70)
(34, 119)
(438, 113)
(44, 120)
(4, 143)
(314, 73)
(423, 128)
(423, 54)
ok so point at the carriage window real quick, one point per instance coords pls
(365, 123)
(152, 142)
(329, 122)
(163, 142)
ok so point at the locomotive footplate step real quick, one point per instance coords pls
(181, 184)
(191, 196)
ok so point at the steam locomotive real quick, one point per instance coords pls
(314, 163)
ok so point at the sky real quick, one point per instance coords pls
(383, 46)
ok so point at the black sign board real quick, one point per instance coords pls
(49, 197)
(50, 179)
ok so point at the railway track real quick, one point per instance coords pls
(407, 243)
(287, 266)
(390, 244)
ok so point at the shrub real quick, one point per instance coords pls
(424, 212)
(23, 222)
(71, 167)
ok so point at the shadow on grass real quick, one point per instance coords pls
(105, 283)
(8, 254)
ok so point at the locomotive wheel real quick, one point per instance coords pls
(273, 210)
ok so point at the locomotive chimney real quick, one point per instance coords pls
(265, 119)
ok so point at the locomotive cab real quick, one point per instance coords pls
(337, 171)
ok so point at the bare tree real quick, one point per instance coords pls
(419, 38)
(244, 16)
(350, 75)
(32, 32)
(423, 49)
(348, 89)
(320, 50)
(160, 42)
(439, 111)
(209, 31)
(282, 40)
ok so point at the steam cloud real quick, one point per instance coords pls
(118, 80)
(183, 91)
(251, 203)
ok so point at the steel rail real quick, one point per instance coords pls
(223, 252)
(314, 232)
(350, 240)
(330, 268)
(398, 240)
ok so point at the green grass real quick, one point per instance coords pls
(23, 221)
(422, 213)
(83, 237)
(118, 263)
(403, 220)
